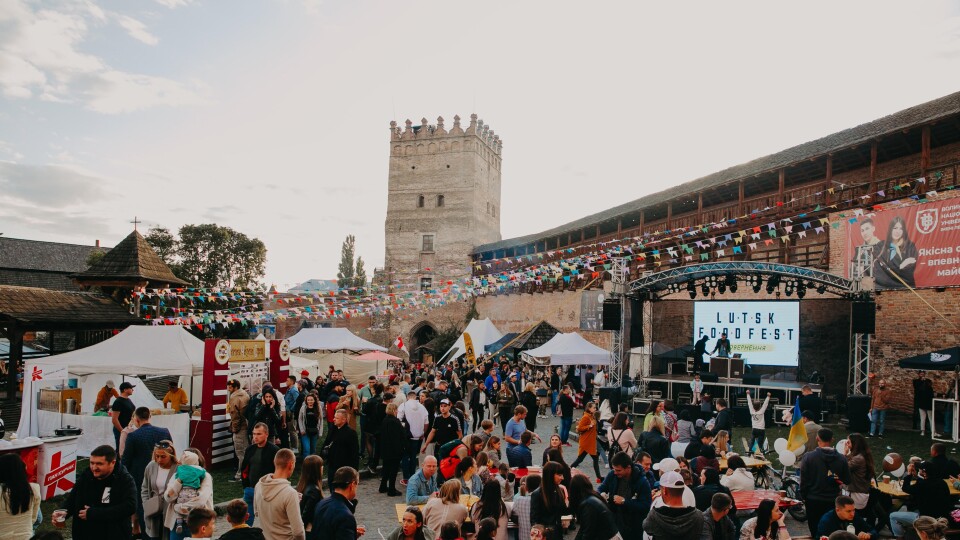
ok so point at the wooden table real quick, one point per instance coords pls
(521, 472)
(894, 490)
(750, 462)
(750, 500)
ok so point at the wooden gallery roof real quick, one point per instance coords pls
(131, 262)
(43, 309)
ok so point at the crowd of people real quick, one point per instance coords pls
(457, 437)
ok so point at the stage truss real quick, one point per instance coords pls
(618, 272)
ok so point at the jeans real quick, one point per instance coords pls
(554, 396)
(879, 417)
(477, 415)
(411, 458)
(308, 445)
(116, 440)
(247, 498)
(758, 437)
(596, 463)
(899, 520)
(924, 415)
(565, 424)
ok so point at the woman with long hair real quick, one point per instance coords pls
(491, 506)
(587, 428)
(486, 529)
(445, 508)
(269, 414)
(19, 498)
(528, 398)
(155, 479)
(350, 402)
(722, 442)
(466, 472)
(653, 410)
(411, 527)
(474, 445)
(309, 425)
(492, 448)
(310, 488)
(547, 503)
(594, 518)
(654, 441)
(738, 477)
(506, 402)
(620, 435)
(860, 460)
(686, 429)
(899, 258)
(929, 528)
(768, 523)
(554, 443)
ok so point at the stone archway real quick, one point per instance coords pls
(421, 334)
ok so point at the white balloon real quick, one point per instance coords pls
(842, 446)
(788, 458)
(780, 445)
(900, 472)
(799, 451)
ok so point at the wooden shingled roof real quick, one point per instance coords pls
(42, 309)
(130, 262)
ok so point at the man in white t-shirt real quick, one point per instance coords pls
(414, 414)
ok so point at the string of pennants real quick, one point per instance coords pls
(362, 301)
(683, 245)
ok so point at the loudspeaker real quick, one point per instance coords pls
(741, 416)
(863, 317)
(615, 395)
(709, 377)
(751, 379)
(636, 323)
(857, 409)
(611, 315)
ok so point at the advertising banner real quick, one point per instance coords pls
(916, 246)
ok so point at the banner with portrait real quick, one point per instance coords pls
(916, 246)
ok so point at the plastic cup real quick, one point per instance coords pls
(59, 518)
(886, 479)
(361, 529)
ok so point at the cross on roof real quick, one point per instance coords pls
(135, 222)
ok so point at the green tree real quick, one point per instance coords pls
(360, 275)
(210, 255)
(346, 270)
(164, 243)
(94, 257)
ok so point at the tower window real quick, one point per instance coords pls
(425, 283)
(494, 208)
(439, 200)
(427, 244)
(420, 201)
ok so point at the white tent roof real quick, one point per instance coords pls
(356, 371)
(570, 349)
(331, 339)
(482, 333)
(138, 350)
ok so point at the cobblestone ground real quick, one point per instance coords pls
(377, 511)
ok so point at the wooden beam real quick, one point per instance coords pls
(828, 180)
(782, 180)
(740, 210)
(924, 150)
(669, 213)
(16, 356)
(699, 207)
(873, 168)
(642, 215)
(619, 226)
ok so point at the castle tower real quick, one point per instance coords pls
(443, 200)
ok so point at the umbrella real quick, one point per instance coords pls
(942, 360)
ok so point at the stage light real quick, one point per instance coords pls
(821, 289)
(801, 292)
(789, 291)
(722, 288)
(693, 293)
(756, 288)
(733, 288)
(704, 290)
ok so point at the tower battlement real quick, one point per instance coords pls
(438, 131)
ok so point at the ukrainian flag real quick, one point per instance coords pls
(798, 433)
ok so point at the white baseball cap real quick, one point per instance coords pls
(671, 479)
(666, 465)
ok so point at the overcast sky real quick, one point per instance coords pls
(272, 117)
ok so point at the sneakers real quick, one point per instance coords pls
(567, 444)
(599, 480)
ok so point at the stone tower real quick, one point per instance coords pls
(443, 200)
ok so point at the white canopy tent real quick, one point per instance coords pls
(330, 340)
(137, 350)
(567, 350)
(354, 369)
(482, 333)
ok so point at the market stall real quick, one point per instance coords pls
(567, 350)
(138, 350)
(482, 332)
(942, 360)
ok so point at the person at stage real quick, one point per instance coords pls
(723, 347)
(879, 403)
(696, 387)
(699, 349)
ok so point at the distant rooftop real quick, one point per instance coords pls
(132, 260)
(19, 254)
(314, 285)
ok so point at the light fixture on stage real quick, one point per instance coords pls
(732, 283)
(721, 287)
(821, 289)
(692, 289)
(801, 290)
(789, 288)
(704, 289)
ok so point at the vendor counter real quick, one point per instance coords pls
(98, 430)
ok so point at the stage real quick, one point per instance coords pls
(784, 392)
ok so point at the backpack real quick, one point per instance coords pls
(448, 465)
(615, 446)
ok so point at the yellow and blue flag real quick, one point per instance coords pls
(798, 433)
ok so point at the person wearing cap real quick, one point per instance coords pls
(445, 428)
(628, 494)
(175, 397)
(305, 381)
(673, 520)
(671, 465)
(108, 392)
(122, 410)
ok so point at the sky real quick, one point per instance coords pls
(272, 116)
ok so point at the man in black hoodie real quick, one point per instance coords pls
(103, 499)
(673, 521)
(821, 473)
